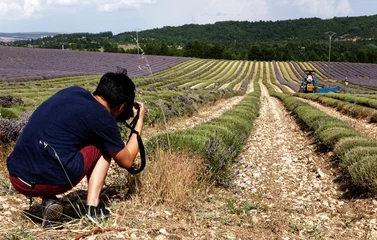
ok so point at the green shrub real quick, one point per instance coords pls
(347, 144)
(324, 124)
(7, 113)
(356, 154)
(331, 102)
(224, 133)
(364, 172)
(316, 120)
(178, 140)
(234, 123)
(331, 136)
(292, 103)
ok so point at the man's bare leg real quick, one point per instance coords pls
(97, 180)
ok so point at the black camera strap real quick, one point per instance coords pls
(131, 126)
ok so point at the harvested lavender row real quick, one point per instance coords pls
(292, 85)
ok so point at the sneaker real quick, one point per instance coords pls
(97, 214)
(51, 210)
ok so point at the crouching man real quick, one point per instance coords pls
(71, 135)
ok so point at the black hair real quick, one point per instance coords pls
(116, 88)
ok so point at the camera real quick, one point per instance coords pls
(128, 112)
(136, 105)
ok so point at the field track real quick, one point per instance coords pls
(285, 185)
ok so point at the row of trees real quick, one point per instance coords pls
(365, 52)
(73, 41)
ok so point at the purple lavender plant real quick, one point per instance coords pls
(11, 129)
(8, 100)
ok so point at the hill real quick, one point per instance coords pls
(346, 28)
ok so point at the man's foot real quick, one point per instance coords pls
(97, 214)
(51, 210)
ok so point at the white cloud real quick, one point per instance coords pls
(112, 5)
(31, 6)
(21, 9)
(324, 8)
(343, 8)
(105, 5)
(240, 10)
(64, 2)
(282, 3)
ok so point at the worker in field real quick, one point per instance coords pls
(74, 134)
(346, 81)
(309, 77)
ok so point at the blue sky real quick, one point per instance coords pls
(118, 16)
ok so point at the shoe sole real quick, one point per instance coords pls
(52, 212)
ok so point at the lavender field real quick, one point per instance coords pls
(364, 74)
(230, 124)
(23, 64)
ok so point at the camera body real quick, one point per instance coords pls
(128, 112)
(136, 105)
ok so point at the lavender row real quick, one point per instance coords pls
(20, 64)
(279, 77)
(357, 73)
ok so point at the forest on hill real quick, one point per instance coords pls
(354, 40)
(228, 32)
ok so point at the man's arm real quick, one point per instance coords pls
(125, 157)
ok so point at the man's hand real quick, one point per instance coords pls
(143, 109)
(125, 157)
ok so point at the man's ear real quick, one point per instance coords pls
(125, 112)
(121, 107)
(118, 110)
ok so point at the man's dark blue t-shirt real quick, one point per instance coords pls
(62, 125)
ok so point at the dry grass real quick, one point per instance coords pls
(171, 178)
(5, 150)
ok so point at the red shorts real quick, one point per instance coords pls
(91, 155)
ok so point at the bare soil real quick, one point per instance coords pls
(286, 186)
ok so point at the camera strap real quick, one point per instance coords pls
(131, 126)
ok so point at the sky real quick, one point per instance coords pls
(94, 16)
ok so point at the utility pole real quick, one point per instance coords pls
(330, 34)
(137, 41)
